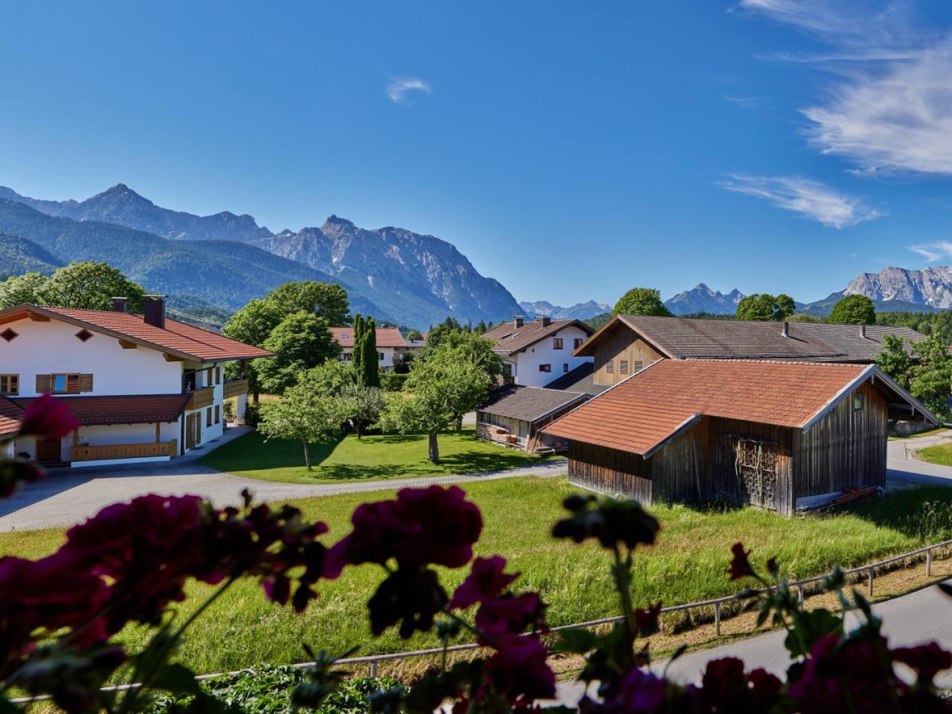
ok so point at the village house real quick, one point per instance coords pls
(779, 434)
(144, 387)
(538, 352)
(390, 345)
(515, 417)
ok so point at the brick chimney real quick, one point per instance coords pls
(120, 304)
(518, 321)
(546, 321)
(153, 310)
(786, 329)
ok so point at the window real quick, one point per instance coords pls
(639, 365)
(9, 383)
(857, 402)
(565, 368)
(380, 356)
(557, 343)
(545, 367)
(623, 366)
(217, 414)
(610, 367)
(208, 416)
(577, 342)
(217, 375)
(65, 384)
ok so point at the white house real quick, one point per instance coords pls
(390, 345)
(144, 388)
(539, 352)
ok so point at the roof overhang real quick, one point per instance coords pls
(586, 350)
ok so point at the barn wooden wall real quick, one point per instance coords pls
(608, 471)
(622, 344)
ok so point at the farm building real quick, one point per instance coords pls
(516, 414)
(775, 434)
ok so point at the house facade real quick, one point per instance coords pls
(538, 352)
(782, 435)
(390, 345)
(144, 388)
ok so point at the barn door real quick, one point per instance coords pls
(755, 465)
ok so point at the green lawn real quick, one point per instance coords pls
(938, 454)
(688, 564)
(369, 458)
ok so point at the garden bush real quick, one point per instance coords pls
(392, 381)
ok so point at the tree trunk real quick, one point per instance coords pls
(434, 448)
(255, 397)
(459, 423)
(307, 455)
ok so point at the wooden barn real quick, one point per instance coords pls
(515, 416)
(779, 435)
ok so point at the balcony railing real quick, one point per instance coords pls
(200, 398)
(235, 387)
(106, 452)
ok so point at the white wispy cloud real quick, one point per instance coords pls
(400, 88)
(746, 102)
(940, 250)
(887, 107)
(808, 198)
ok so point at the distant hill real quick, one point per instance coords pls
(579, 311)
(703, 300)
(420, 278)
(209, 274)
(822, 308)
(18, 256)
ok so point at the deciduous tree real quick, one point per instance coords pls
(326, 300)
(765, 307)
(22, 290)
(301, 341)
(90, 285)
(252, 325)
(894, 359)
(304, 415)
(854, 310)
(641, 301)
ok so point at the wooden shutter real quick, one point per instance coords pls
(44, 383)
(85, 383)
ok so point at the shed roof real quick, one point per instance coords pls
(176, 338)
(510, 339)
(639, 414)
(386, 337)
(580, 379)
(531, 404)
(692, 338)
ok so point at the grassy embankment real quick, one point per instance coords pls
(688, 564)
(371, 458)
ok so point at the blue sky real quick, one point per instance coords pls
(570, 149)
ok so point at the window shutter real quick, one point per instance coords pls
(85, 383)
(44, 383)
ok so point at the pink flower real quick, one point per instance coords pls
(509, 614)
(519, 671)
(639, 691)
(647, 620)
(740, 565)
(48, 417)
(927, 660)
(485, 580)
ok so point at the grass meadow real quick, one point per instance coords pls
(688, 564)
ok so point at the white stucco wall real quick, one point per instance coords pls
(526, 364)
(386, 363)
(52, 348)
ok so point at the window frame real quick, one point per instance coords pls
(610, 367)
(12, 384)
(578, 342)
(558, 343)
(68, 377)
(546, 367)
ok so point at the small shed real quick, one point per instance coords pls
(774, 434)
(515, 415)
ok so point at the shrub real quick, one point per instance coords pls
(228, 409)
(392, 381)
(253, 415)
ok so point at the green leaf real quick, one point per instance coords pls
(577, 641)
(809, 627)
(177, 679)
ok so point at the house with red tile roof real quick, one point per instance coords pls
(539, 352)
(777, 434)
(143, 387)
(390, 345)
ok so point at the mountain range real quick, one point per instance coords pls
(701, 299)
(226, 259)
(579, 311)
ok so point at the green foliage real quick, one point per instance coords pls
(301, 341)
(22, 290)
(448, 326)
(415, 335)
(641, 301)
(765, 307)
(928, 323)
(325, 300)
(392, 381)
(466, 345)
(304, 415)
(853, 310)
(597, 322)
(358, 405)
(268, 689)
(931, 379)
(86, 285)
(252, 325)
(19, 256)
(357, 353)
(369, 373)
(894, 359)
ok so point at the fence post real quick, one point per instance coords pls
(800, 592)
(869, 581)
(373, 668)
(717, 618)
(929, 563)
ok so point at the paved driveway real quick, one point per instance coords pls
(66, 497)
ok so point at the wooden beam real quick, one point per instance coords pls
(173, 358)
(158, 432)
(126, 345)
(36, 317)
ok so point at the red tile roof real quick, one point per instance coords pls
(386, 337)
(510, 339)
(10, 415)
(112, 410)
(654, 404)
(175, 338)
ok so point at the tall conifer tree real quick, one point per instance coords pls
(370, 361)
(358, 352)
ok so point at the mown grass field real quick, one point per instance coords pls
(938, 454)
(688, 564)
(371, 458)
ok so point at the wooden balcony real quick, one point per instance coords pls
(124, 451)
(200, 398)
(235, 387)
